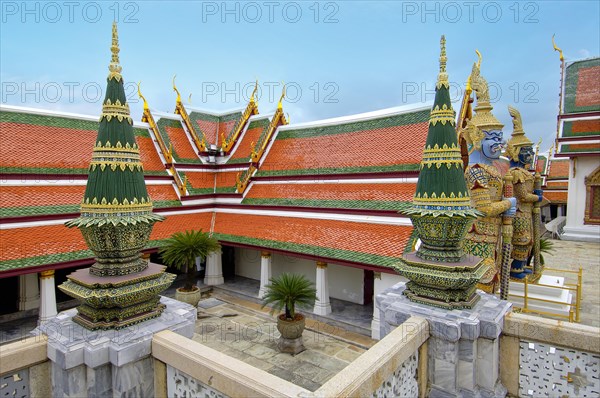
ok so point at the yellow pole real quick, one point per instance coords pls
(578, 302)
(526, 293)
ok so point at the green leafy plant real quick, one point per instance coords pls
(182, 249)
(546, 246)
(287, 291)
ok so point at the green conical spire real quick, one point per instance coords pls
(116, 190)
(441, 188)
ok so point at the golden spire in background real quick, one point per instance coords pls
(557, 49)
(142, 97)
(177, 91)
(279, 104)
(114, 67)
(443, 76)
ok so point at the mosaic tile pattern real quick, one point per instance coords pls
(403, 382)
(182, 385)
(15, 385)
(556, 372)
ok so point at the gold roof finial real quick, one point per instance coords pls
(443, 76)
(557, 49)
(518, 138)
(252, 99)
(279, 104)
(479, 58)
(468, 88)
(142, 97)
(114, 67)
(177, 91)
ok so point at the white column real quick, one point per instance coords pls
(29, 292)
(375, 323)
(265, 272)
(559, 211)
(322, 305)
(214, 269)
(48, 296)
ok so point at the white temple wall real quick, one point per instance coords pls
(345, 283)
(575, 228)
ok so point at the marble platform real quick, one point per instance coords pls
(463, 350)
(115, 363)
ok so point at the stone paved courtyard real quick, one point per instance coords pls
(570, 255)
(251, 336)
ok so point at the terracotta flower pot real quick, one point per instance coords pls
(291, 329)
(192, 297)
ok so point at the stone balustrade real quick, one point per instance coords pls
(25, 369)
(390, 368)
(544, 357)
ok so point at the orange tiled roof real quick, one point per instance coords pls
(588, 92)
(45, 144)
(181, 143)
(335, 191)
(388, 143)
(23, 243)
(377, 239)
(150, 158)
(379, 147)
(35, 200)
(26, 247)
(181, 222)
(556, 196)
(203, 182)
(209, 128)
(559, 169)
(38, 146)
(244, 148)
(41, 195)
(557, 184)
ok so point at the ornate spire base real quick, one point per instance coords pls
(118, 301)
(444, 285)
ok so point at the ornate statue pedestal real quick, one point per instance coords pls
(449, 285)
(115, 302)
(115, 363)
(463, 348)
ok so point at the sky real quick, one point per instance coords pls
(336, 58)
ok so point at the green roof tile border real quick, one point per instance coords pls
(568, 130)
(57, 170)
(351, 127)
(566, 148)
(327, 203)
(64, 209)
(58, 121)
(162, 124)
(571, 80)
(339, 170)
(313, 250)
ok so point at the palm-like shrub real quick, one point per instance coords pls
(546, 246)
(287, 291)
(182, 249)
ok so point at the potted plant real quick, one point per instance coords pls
(180, 251)
(285, 292)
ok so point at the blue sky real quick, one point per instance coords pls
(337, 57)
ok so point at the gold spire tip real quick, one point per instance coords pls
(142, 97)
(556, 48)
(252, 99)
(479, 58)
(279, 104)
(443, 76)
(175, 89)
(114, 67)
(443, 57)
